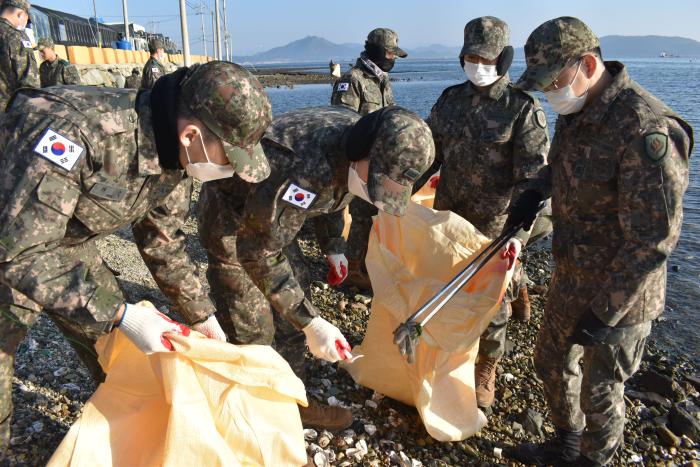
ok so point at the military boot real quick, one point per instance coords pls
(485, 374)
(563, 450)
(521, 306)
(325, 417)
(357, 275)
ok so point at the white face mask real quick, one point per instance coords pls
(207, 171)
(356, 186)
(480, 74)
(564, 101)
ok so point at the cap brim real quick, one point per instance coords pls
(388, 195)
(478, 50)
(249, 163)
(399, 52)
(537, 77)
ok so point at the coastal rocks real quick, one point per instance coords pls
(660, 384)
(683, 420)
(532, 421)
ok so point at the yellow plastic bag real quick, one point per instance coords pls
(209, 403)
(409, 259)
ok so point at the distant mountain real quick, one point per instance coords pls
(308, 49)
(648, 46)
(314, 49)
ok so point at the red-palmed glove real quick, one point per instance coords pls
(211, 328)
(511, 250)
(338, 269)
(145, 327)
(325, 341)
(433, 181)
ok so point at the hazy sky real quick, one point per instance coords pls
(258, 25)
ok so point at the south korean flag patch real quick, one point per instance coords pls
(298, 196)
(27, 44)
(58, 149)
(343, 87)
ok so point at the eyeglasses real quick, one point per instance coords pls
(555, 85)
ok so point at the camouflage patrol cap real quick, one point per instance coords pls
(486, 37)
(387, 39)
(551, 47)
(402, 151)
(233, 105)
(44, 43)
(155, 44)
(21, 4)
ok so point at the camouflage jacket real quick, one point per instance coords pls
(58, 73)
(361, 90)
(132, 82)
(617, 173)
(17, 63)
(151, 72)
(308, 179)
(79, 163)
(488, 145)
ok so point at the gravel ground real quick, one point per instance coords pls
(51, 385)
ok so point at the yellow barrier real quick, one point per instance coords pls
(145, 56)
(129, 56)
(109, 55)
(61, 51)
(121, 56)
(96, 56)
(78, 55)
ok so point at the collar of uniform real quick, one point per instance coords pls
(5, 22)
(147, 152)
(620, 81)
(369, 67)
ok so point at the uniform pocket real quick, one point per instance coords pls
(42, 219)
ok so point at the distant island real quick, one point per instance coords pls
(314, 49)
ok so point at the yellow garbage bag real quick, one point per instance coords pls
(208, 403)
(409, 259)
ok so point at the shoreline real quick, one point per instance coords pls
(290, 77)
(51, 385)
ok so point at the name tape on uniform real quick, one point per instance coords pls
(298, 196)
(58, 149)
(343, 86)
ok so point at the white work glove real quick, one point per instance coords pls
(511, 250)
(338, 269)
(325, 341)
(211, 328)
(145, 326)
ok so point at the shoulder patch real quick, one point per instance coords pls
(27, 44)
(343, 86)
(155, 69)
(298, 196)
(540, 118)
(58, 150)
(656, 146)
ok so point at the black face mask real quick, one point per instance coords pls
(377, 54)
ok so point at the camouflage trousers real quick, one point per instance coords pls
(492, 343)
(18, 314)
(584, 386)
(358, 237)
(242, 310)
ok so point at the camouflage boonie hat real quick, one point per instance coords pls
(21, 4)
(136, 71)
(387, 39)
(402, 151)
(44, 43)
(551, 47)
(233, 105)
(486, 37)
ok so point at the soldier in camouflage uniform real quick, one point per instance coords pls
(245, 228)
(365, 88)
(490, 139)
(81, 162)
(133, 81)
(17, 64)
(617, 172)
(154, 68)
(54, 70)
